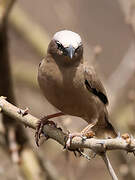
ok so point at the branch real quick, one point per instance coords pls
(109, 167)
(16, 138)
(5, 7)
(97, 145)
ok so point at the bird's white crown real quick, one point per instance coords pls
(66, 38)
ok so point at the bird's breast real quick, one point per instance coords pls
(65, 89)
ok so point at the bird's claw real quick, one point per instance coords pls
(83, 135)
(39, 128)
(68, 143)
(71, 136)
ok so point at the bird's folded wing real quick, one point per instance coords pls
(94, 85)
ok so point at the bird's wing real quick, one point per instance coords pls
(94, 85)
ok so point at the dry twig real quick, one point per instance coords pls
(97, 145)
(109, 167)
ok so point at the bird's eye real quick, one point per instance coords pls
(59, 45)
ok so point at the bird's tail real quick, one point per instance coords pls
(111, 131)
(100, 128)
(106, 131)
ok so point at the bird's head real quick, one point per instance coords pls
(66, 46)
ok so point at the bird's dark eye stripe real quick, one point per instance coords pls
(77, 48)
(60, 47)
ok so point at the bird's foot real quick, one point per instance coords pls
(79, 151)
(83, 135)
(43, 121)
(39, 128)
(71, 136)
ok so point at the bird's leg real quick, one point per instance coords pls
(43, 121)
(88, 132)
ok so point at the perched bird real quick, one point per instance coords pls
(73, 87)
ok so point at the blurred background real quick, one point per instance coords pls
(108, 32)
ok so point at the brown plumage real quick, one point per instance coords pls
(72, 86)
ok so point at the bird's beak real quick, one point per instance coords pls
(70, 51)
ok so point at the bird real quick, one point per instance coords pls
(72, 85)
